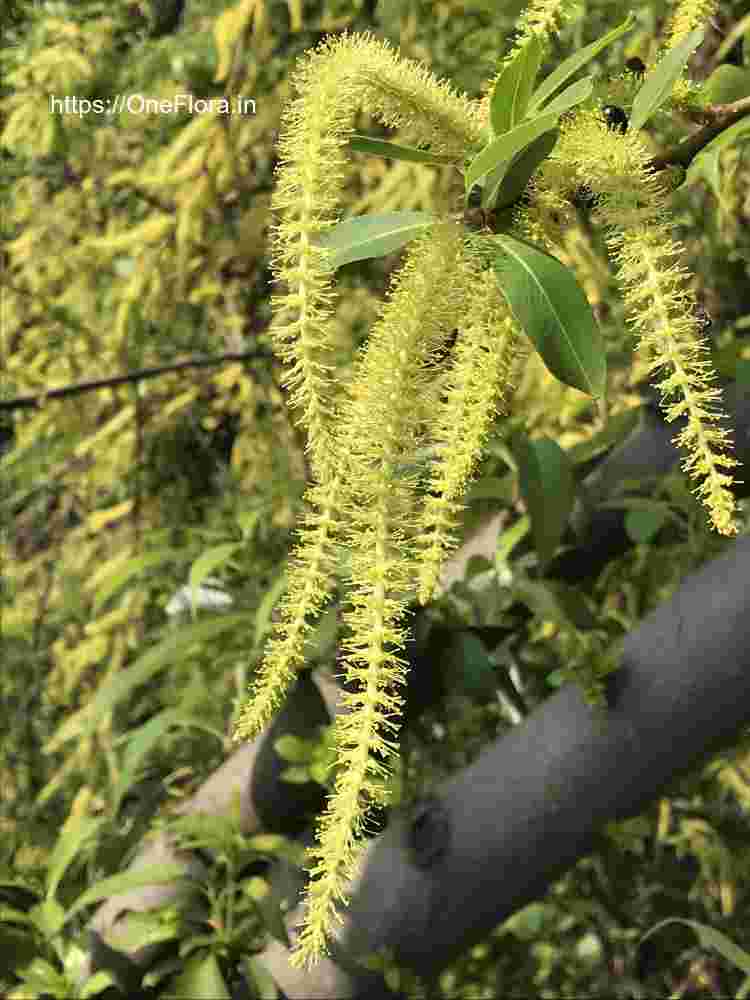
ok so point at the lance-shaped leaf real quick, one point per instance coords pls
(658, 84)
(709, 937)
(545, 476)
(551, 307)
(554, 601)
(505, 147)
(573, 63)
(392, 151)
(373, 235)
(516, 175)
(510, 95)
(572, 95)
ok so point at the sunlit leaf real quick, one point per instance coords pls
(369, 236)
(160, 874)
(505, 147)
(513, 87)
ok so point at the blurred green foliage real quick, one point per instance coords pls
(132, 240)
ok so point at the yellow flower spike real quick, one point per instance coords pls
(368, 435)
(338, 79)
(309, 587)
(686, 17)
(541, 18)
(656, 292)
(476, 384)
(383, 430)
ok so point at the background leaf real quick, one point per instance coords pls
(545, 475)
(205, 564)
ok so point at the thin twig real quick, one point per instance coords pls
(718, 117)
(26, 402)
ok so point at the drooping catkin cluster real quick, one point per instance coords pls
(477, 382)
(333, 83)
(361, 441)
(367, 440)
(383, 428)
(633, 208)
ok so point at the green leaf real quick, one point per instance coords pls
(541, 601)
(44, 979)
(657, 86)
(508, 540)
(572, 95)
(644, 517)
(493, 487)
(477, 668)
(573, 63)
(201, 979)
(727, 84)
(510, 95)
(269, 907)
(73, 835)
(119, 577)
(261, 979)
(205, 564)
(505, 147)
(97, 983)
(554, 601)
(293, 749)
(152, 875)
(142, 929)
(643, 525)
(545, 475)
(742, 374)
(514, 179)
(643, 504)
(248, 521)
(706, 163)
(706, 167)
(48, 917)
(392, 151)
(9, 915)
(617, 429)
(550, 306)
(710, 938)
(368, 236)
(296, 775)
(140, 742)
(122, 684)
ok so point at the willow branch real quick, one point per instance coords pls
(26, 402)
(719, 118)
